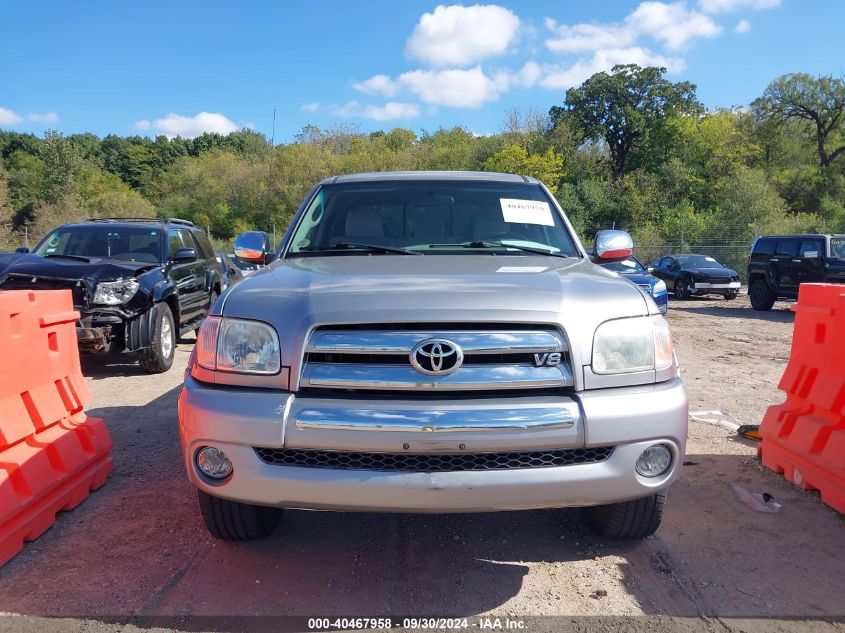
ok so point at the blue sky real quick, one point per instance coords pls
(176, 67)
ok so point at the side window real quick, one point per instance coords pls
(189, 241)
(787, 247)
(764, 246)
(206, 251)
(809, 249)
(175, 242)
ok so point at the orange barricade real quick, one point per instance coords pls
(804, 438)
(51, 453)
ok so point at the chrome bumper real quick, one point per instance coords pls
(236, 420)
(734, 285)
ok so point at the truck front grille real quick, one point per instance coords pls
(378, 358)
(428, 463)
(16, 281)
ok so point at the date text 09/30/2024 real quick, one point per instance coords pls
(480, 623)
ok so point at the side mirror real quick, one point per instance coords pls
(21, 249)
(253, 246)
(185, 255)
(613, 245)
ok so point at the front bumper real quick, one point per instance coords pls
(706, 287)
(236, 420)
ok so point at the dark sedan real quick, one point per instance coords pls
(691, 275)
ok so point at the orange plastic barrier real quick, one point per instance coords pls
(51, 453)
(804, 438)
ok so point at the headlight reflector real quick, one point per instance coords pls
(115, 293)
(654, 461)
(213, 462)
(632, 344)
(238, 345)
(659, 287)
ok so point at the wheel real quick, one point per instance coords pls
(158, 357)
(762, 298)
(233, 521)
(628, 520)
(681, 289)
(731, 296)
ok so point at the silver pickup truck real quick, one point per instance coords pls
(432, 342)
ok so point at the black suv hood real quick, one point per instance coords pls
(96, 269)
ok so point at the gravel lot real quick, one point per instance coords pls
(136, 549)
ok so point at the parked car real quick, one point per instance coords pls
(691, 275)
(433, 342)
(779, 264)
(138, 284)
(229, 272)
(635, 272)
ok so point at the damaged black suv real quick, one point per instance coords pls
(138, 284)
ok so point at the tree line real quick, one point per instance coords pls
(627, 148)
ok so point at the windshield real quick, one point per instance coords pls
(626, 266)
(837, 247)
(698, 261)
(133, 243)
(432, 217)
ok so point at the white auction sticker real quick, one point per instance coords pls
(526, 212)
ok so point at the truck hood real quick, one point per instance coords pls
(294, 295)
(92, 271)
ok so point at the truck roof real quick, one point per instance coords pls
(384, 176)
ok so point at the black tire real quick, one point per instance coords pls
(628, 520)
(731, 296)
(158, 357)
(681, 289)
(233, 521)
(762, 299)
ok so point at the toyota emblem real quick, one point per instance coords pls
(436, 357)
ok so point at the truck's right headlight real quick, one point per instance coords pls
(239, 346)
(632, 344)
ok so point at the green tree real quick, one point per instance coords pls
(819, 101)
(624, 107)
(514, 159)
(61, 165)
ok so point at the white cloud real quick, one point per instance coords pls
(388, 112)
(379, 85)
(674, 25)
(743, 26)
(44, 117)
(459, 88)
(603, 60)
(459, 36)
(189, 126)
(311, 107)
(8, 117)
(730, 6)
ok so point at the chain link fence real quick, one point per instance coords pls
(732, 255)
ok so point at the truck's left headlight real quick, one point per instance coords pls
(239, 346)
(115, 293)
(632, 344)
(659, 287)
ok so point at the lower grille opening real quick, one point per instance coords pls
(428, 463)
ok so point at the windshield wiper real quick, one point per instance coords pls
(373, 248)
(78, 258)
(527, 249)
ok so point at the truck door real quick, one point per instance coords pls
(189, 277)
(809, 265)
(782, 265)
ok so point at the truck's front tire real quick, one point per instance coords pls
(158, 357)
(627, 520)
(762, 299)
(233, 521)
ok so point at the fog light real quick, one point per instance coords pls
(213, 462)
(654, 461)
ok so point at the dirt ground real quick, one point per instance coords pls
(135, 554)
